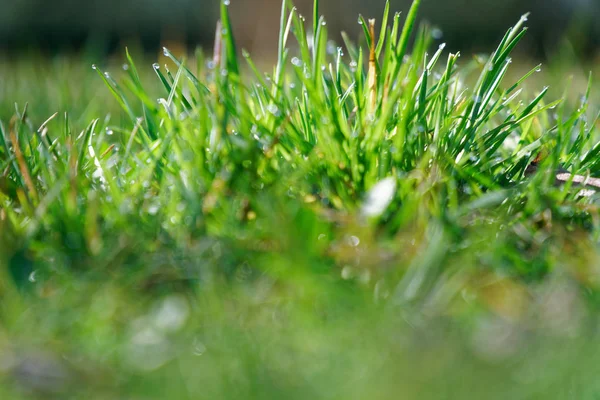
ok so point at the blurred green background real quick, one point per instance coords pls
(106, 24)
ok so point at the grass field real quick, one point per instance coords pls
(364, 221)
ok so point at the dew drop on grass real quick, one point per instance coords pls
(379, 197)
(347, 272)
(226, 2)
(32, 277)
(156, 66)
(296, 61)
(153, 209)
(125, 67)
(94, 67)
(538, 69)
(273, 109)
(360, 21)
(353, 241)
(165, 51)
(323, 23)
(437, 33)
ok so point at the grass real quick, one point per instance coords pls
(358, 222)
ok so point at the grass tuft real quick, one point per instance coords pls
(301, 232)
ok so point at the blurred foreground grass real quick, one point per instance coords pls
(357, 223)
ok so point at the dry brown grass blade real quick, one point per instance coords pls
(372, 75)
(21, 160)
(107, 151)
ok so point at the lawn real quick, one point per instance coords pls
(377, 220)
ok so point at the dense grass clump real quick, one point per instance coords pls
(359, 222)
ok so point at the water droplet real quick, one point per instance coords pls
(379, 197)
(360, 21)
(437, 33)
(347, 273)
(94, 67)
(273, 109)
(107, 75)
(125, 67)
(156, 66)
(353, 241)
(109, 132)
(538, 69)
(171, 314)
(32, 277)
(226, 2)
(323, 23)
(165, 51)
(153, 209)
(297, 62)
